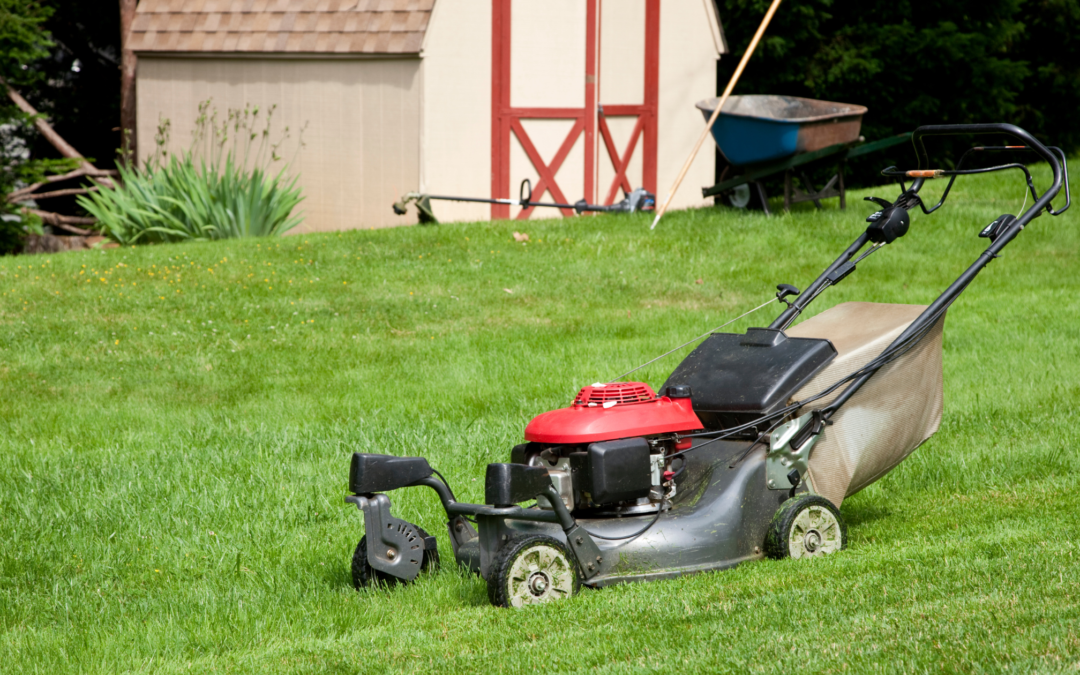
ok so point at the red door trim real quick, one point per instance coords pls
(546, 171)
(619, 164)
(500, 101)
(506, 120)
(652, 93)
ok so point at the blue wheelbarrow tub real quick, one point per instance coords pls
(753, 129)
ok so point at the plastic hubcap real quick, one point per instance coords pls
(539, 583)
(541, 573)
(815, 531)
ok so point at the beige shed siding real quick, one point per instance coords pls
(688, 53)
(457, 108)
(622, 81)
(548, 62)
(362, 117)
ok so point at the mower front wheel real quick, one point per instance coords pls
(364, 575)
(530, 570)
(806, 526)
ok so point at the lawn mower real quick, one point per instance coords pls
(748, 450)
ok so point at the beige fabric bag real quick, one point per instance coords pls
(893, 413)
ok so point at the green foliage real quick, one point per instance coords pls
(1051, 93)
(18, 170)
(22, 40)
(933, 62)
(220, 188)
(12, 233)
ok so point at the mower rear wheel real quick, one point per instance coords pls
(364, 575)
(806, 526)
(530, 570)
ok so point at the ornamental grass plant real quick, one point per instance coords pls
(223, 187)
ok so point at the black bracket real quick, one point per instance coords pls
(585, 550)
(394, 546)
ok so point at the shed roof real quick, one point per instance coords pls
(281, 26)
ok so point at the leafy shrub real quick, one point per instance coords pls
(220, 188)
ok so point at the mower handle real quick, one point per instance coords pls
(1030, 141)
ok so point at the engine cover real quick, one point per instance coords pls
(609, 412)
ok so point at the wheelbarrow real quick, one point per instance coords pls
(760, 136)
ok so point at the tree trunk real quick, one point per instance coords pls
(129, 143)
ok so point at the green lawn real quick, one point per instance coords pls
(176, 423)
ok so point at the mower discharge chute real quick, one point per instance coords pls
(748, 449)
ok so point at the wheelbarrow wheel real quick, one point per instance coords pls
(364, 575)
(806, 526)
(531, 570)
(739, 196)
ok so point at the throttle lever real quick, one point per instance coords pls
(996, 228)
(784, 290)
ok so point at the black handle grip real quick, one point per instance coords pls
(525, 194)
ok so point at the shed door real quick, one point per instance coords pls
(563, 70)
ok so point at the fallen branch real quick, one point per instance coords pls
(46, 130)
(97, 173)
(64, 222)
(54, 193)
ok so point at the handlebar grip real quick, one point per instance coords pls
(925, 173)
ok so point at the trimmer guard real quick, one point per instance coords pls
(898, 409)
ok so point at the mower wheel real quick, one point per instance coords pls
(806, 526)
(363, 575)
(533, 569)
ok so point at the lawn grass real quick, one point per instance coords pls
(176, 423)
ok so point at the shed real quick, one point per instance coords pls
(464, 97)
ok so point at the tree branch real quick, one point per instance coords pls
(50, 134)
(97, 173)
(65, 222)
(54, 193)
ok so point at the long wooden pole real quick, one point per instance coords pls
(716, 113)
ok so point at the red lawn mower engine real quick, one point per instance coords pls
(610, 452)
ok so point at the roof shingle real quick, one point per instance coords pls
(304, 26)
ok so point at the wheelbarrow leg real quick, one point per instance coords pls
(762, 196)
(840, 177)
(812, 192)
